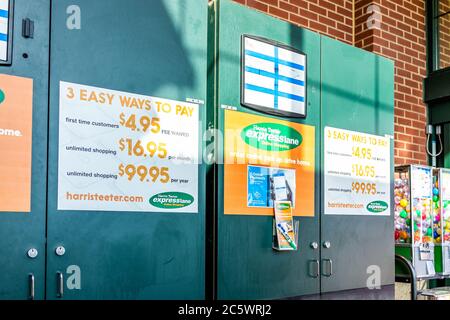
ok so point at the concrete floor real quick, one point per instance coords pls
(403, 290)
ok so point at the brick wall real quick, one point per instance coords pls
(400, 37)
(331, 18)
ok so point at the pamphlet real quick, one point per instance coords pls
(284, 238)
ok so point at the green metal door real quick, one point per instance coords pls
(151, 49)
(357, 95)
(24, 183)
(247, 266)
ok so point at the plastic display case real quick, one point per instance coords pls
(414, 217)
(441, 232)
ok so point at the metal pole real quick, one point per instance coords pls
(433, 151)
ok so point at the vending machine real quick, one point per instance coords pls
(414, 217)
(441, 226)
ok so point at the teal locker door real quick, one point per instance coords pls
(247, 266)
(23, 108)
(357, 95)
(103, 250)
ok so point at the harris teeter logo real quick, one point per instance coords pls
(271, 137)
(377, 206)
(171, 200)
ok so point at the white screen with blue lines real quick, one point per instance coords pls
(4, 14)
(274, 77)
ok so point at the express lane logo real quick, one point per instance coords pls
(171, 200)
(377, 206)
(271, 137)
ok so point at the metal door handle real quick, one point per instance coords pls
(27, 28)
(327, 272)
(314, 268)
(31, 286)
(60, 284)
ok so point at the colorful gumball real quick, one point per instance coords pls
(403, 235)
(404, 203)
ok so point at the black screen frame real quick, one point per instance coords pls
(264, 109)
(9, 43)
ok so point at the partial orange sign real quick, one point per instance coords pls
(267, 160)
(16, 116)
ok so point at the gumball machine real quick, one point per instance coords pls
(441, 225)
(414, 217)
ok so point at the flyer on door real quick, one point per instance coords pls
(16, 118)
(267, 159)
(357, 173)
(285, 236)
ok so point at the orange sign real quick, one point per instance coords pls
(266, 160)
(16, 115)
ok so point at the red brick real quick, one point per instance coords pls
(257, 5)
(278, 12)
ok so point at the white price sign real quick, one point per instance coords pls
(422, 186)
(445, 184)
(357, 173)
(120, 151)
